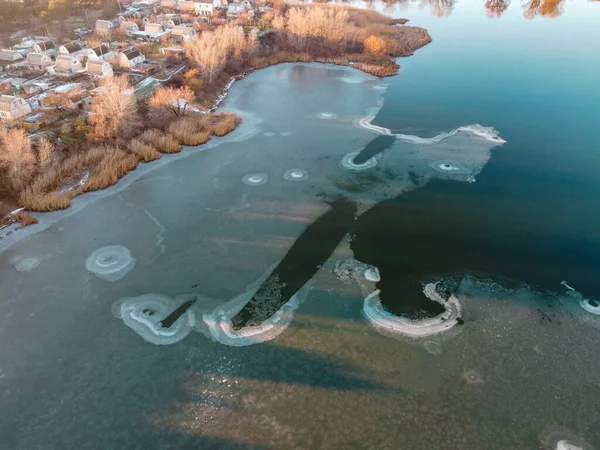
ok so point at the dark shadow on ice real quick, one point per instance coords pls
(300, 264)
(373, 148)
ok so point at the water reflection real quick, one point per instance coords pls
(495, 8)
(544, 8)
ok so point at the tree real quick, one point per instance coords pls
(45, 150)
(113, 112)
(375, 44)
(56, 101)
(16, 157)
(175, 101)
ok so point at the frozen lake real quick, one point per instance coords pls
(114, 314)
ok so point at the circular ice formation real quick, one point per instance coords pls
(25, 264)
(295, 175)
(110, 263)
(384, 320)
(144, 315)
(472, 377)
(592, 306)
(269, 134)
(566, 445)
(327, 115)
(286, 133)
(348, 162)
(450, 166)
(255, 179)
(221, 329)
(372, 275)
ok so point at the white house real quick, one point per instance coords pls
(183, 34)
(168, 4)
(71, 49)
(101, 51)
(186, 7)
(154, 28)
(98, 68)
(235, 9)
(104, 27)
(38, 61)
(9, 56)
(129, 27)
(131, 58)
(47, 47)
(204, 7)
(13, 107)
(67, 65)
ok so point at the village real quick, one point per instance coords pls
(43, 80)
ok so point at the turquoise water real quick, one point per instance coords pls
(536, 81)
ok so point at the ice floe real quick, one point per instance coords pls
(348, 162)
(146, 316)
(220, 327)
(382, 319)
(295, 175)
(25, 264)
(255, 179)
(110, 263)
(327, 115)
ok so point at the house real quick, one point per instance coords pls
(101, 51)
(38, 61)
(71, 49)
(13, 107)
(129, 27)
(235, 9)
(168, 4)
(47, 47)
(204, 7)
(131, 58)
(104, 27)
(67, 65)
(186, 7)
(183, 34)
(9, 56)
(98, 68)
(154, 28)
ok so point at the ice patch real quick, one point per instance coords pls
(372, 274)
(221, 330)
(347, 162)
(383, 320)
(591, 306)
(327, 115)
(25, 264)
(269, 134)
(488, 133)
(144, 315)
(110, 263)
(450, 167)
(564, 283)
(255, 179)
(566, 445)
(353, 79)
(286, 133)
(295, 175)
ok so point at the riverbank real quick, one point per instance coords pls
(367, 41)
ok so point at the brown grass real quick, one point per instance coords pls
(42, 202)
(143, 150)
(24, 219)
(114, 165)
(188, 131)
(164, 143)
(225, 124)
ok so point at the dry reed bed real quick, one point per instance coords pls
(102, 166)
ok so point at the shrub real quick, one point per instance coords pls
(188, 132)
(226, 125)
(41, 202)
(24, 219)
(145, 151)
(164, 143)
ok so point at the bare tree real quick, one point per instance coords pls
(16, 156)
(175, 101)
(45, 150)
(114, 111)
